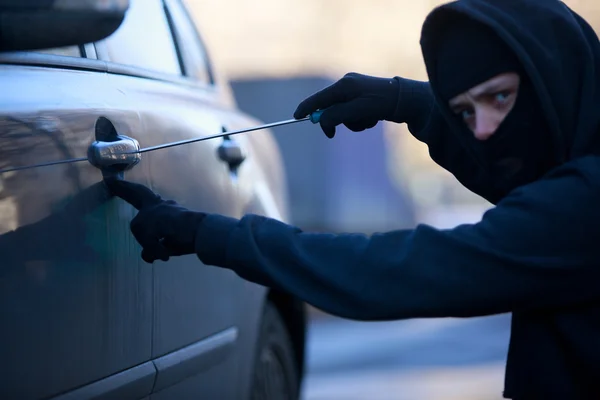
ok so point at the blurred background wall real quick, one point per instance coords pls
(286, 38)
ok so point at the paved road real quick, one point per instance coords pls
(435, 359)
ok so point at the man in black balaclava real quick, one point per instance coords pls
(517, 150)
(512, 109)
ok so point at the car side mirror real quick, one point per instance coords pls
(46, 24)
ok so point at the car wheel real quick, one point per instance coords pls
(275, 373)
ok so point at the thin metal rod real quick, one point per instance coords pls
(70, 161)
(162, 146)
(201, 139)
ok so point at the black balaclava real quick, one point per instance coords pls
(520, 151)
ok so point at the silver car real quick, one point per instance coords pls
(81, 315)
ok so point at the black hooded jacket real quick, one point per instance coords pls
(536, 254)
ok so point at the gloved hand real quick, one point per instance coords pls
(357, 101)
(162, 227)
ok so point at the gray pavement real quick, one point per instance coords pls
(430, 359)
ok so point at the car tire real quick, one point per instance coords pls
(276, 376)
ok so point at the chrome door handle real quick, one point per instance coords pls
(123, 152)
(115, 156)
(111, 152)
(231, 152)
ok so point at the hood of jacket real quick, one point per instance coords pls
(559, 52)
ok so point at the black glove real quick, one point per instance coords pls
(357, 101)
(162, 227)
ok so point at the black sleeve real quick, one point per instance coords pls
(536, 249)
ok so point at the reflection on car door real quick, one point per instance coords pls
(75, 299)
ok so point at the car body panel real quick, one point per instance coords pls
(85, 315)
(75, 296)
(194, 176)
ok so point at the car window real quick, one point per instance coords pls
(69, 51)
(191, 47)
(144, 39)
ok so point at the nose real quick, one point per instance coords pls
(485, 125)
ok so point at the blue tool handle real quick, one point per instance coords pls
(315, 117)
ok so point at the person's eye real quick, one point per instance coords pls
(502, 97)
(466, 114)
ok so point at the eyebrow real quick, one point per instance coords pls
(493, 87)
(457, 104)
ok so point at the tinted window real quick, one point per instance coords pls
(193, 53)
(144, 39)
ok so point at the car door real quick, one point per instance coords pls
(195, 306)
(75, 299)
